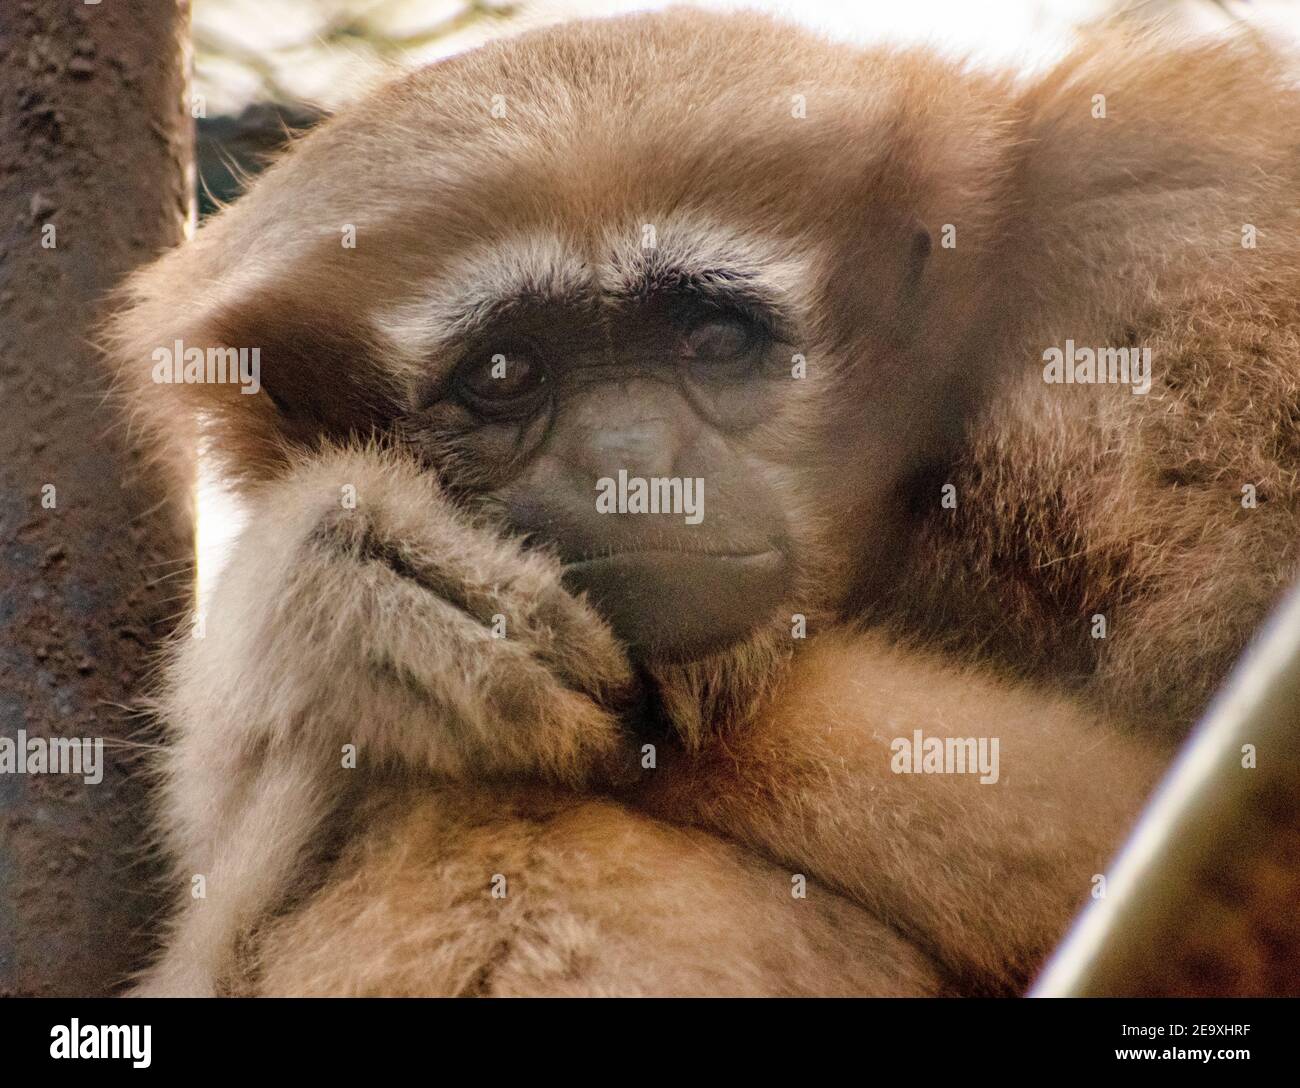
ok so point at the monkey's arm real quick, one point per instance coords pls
(359, 613)
(985, 877)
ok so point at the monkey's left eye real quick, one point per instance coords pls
(501, 383)
(722, 345)
(719, 338)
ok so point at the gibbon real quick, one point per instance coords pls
(703, 534)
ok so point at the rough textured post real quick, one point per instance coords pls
(95, 157)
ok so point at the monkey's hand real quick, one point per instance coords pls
(360, 606)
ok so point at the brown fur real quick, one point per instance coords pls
(1072, 500)
(600, 901)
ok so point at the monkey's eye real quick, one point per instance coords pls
(722, 345)
(718, 338)
(502, 383)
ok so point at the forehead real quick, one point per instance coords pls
(642, 124)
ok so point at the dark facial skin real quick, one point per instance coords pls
(532, 416)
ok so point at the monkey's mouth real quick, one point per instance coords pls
(676, 606)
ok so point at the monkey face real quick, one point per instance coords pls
(623, 430)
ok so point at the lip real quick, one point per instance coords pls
(675, 604)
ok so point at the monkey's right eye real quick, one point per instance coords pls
(503, 383)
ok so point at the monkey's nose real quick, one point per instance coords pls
(643, 446)
(630, 426)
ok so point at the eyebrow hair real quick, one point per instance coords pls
(707, 264)
(482, 288)
(705, 260)
(720, 285)
(476, 314)
(540, 273)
